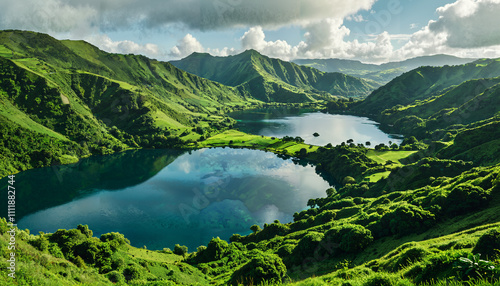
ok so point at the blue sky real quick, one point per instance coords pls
(368, 30)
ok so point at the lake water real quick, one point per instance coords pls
(159, 198)
(332, 128)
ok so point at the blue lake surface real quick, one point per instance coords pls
(159, 198)
(332, 128)
(175, 198)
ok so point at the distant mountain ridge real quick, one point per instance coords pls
(425, 82)
(271, 79)
(382, 73)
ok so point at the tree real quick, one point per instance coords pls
(330, 192)
(368, 143)
(180, 250)
(255, 228)
(348, 180)
(262, 267)
(311, 203)
(302, 152)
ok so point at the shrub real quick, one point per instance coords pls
(214, 251)
(115, 277)
(84, 229)
(263, 267)
(464, 198)
(325, 216)
(55, 250)
(308, 246)
(115, 239)
(405, 219)
(180, 250)
(348, 180)
(472, 267)
(40, 242)
(350, 237)
(132, 272)
(272, 230)
(435, 266)
(489, 244)
(255, 228)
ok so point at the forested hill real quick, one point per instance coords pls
(272, 79)
(60, 100)
(382, 73)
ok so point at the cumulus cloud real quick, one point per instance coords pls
(125, 47)
(464, 28)
(469, 23)
(109, 15)
(323, 39)
(254, 38)
(186, 46)
(189, 44)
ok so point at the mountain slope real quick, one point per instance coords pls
(265, 78)
(380, 73)
(425, 82)
(70, 91)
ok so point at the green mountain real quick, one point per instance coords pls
(270, 79)
(382, 73)
(70, 99)
(425, 82)
(422, 213)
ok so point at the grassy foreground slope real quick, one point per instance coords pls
(270, 79)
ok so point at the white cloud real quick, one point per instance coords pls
(47, 16)
(355, 18)
(186, 46)
(254, 38)
(124, 47)
(466, 28)
(469, 23)
(323, 39)
(110, 15)
(224, 52)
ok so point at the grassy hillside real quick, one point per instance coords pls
(271, 79)
(423, 83)
(382, 73)
(421, 213)
(73, 93)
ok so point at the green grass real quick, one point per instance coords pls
(377, 176)
(234, 138)
(15, 115)
(150, 255)
(382, 157)
(5, 52)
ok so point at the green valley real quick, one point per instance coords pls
(420, 212)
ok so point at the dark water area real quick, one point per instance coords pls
(159, 198)
(332, 128)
